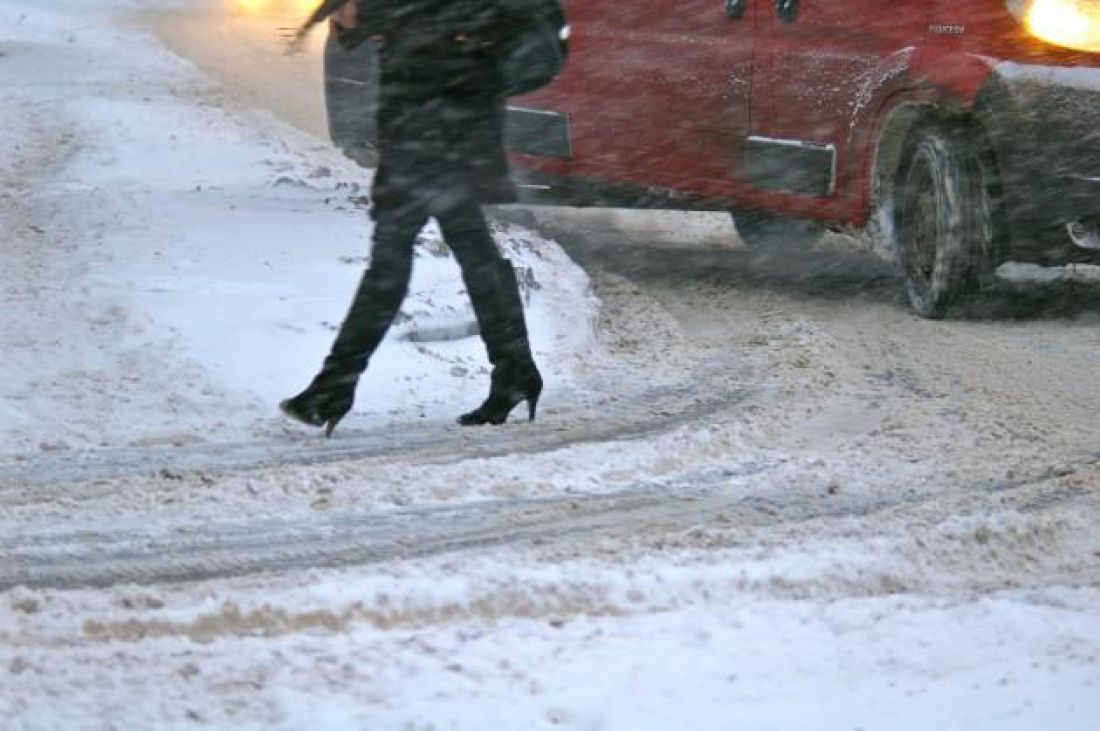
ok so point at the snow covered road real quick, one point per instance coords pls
(761, 493)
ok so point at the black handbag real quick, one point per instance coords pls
(534, 48)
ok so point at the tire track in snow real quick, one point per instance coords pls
(109, 557)
(151, 555)
(630, 416)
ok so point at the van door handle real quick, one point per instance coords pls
(787, 10)
(735, 9)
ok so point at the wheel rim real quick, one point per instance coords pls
(924, 223)
(920, 224)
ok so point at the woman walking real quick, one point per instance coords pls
(441, 155)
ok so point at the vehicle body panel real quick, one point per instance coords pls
(821, 67)
(652, 94)
(684, 104)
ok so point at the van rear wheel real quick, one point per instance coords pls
(946, 192)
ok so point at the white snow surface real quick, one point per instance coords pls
(173, 266)
(208, 257)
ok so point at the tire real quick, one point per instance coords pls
(946, 211)
(763, 230)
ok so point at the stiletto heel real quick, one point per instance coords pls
(508, 389)
(321, 405)
(330, 425)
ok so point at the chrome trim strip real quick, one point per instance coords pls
(529, 110)
(356, 82)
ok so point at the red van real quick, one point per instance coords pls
(960, 134)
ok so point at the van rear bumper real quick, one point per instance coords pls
(1042, 123)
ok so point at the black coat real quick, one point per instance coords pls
(441, 103)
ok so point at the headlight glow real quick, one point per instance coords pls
(273, 7)
(1069, 23)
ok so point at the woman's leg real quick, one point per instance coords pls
(494, 293)
(379, 295)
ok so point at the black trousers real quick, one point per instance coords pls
(384, 285)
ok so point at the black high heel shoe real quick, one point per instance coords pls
(510, 386)
(321, 405)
